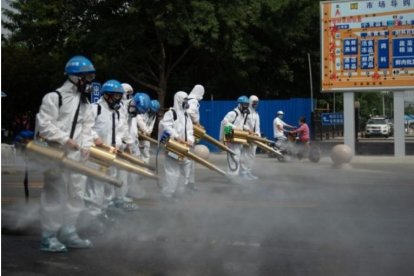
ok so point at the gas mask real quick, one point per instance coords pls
(151, 113)
(255, 104)
(113, 100)
(132, 109)
(185, 104)
(244, 108)
(128, 96)
(83, 84)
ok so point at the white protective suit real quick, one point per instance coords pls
(130, 123)
(177, 172)
(146, 124)
(100, 194)
(253, 125)
(237, 120)
(61, 198)
(195, 96)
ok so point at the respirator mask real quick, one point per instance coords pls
(244, 108)
(132, 109)
(83, 84)
(113, 100)
(185, 104)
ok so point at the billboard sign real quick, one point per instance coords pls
(367, 45)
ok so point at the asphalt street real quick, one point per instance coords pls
(299, 218)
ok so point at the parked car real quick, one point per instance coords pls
(378, 126)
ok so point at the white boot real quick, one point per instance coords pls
(68, 236)
(50, 243)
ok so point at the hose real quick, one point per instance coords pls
(156, 164)
(230, 156)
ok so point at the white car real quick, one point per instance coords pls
(378, 127)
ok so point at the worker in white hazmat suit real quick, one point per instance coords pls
(236, 119)
(110, 129)
(177, 124)
(195, 96)
(146, 122)
(253, 125)
(65, 119)
(138, 104)
(129, 93)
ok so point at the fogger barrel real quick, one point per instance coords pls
(125, 156)
(143, 136)
(268, 148)
(58, 156)
(245, 137)
(201, 133)
(239, 136)
(108, 158)
(252, 137)
(183, 150)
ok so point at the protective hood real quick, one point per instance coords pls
(253, 103)
(179, 99)
(197, 92)
(129, 91)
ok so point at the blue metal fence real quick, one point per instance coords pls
(212, 112)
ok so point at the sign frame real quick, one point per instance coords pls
(347, 23)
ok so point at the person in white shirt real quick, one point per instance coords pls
(279, 129)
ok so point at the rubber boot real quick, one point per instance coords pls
(68, 236)
(50, 243)
(252, 176)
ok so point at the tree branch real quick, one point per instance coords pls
(183, 54)
(143, 83)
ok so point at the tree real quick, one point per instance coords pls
(233, 47)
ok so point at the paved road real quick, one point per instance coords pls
(300, 218)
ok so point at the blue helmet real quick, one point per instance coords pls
(112, 86)
(243, 100)
(79, 65)
(155, 106)
(142, 102)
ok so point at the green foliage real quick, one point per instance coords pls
(409, 109)
(254, 46)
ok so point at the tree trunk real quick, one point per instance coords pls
(161, 93)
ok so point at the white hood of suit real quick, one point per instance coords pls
(178, 100)
(197, 92)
